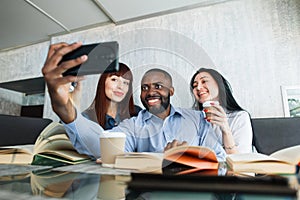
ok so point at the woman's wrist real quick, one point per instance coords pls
(228, 141)
(226, 132)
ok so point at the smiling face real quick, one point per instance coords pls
(116, 88)
(156, 89)
(205, 88)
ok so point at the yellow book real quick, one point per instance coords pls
(143, 161)
(52, 147)
(280, 162)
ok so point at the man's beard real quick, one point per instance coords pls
(165, 102)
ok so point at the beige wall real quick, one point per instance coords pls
(255, 44)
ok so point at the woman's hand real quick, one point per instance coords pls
(218, 117)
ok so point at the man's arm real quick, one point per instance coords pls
(85, 136)
(58, 85)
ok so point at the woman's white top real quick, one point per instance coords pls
(241, 129)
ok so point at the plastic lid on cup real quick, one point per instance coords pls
(111, 134)
(208, 103)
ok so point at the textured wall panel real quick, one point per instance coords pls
(255, 44)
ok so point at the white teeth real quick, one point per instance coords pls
(153, 100)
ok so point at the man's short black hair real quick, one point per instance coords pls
(167, 75)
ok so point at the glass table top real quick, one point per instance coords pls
(91, 181)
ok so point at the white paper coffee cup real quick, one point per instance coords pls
(111, 145)
(207, 105)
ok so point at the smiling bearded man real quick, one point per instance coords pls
(156, 90)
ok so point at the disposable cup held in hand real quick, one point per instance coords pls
(207, 105)
(111, 145)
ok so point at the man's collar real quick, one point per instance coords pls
(173, 111)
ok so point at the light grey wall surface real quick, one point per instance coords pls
(21, 63)
(255, 44)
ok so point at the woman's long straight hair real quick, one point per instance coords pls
(126, 106)
(225, 93)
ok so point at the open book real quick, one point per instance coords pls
(141, 161)
(280, 162)
(52, 147)
(181, 160)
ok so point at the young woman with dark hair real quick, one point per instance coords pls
(231, 122)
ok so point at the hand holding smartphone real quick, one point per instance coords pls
(101, 57)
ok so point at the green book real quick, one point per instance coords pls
(55, 161)
(52, 148)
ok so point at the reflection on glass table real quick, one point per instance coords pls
(91, 184)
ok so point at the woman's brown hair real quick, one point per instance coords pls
(126, 106)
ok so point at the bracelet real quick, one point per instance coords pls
(230, 147)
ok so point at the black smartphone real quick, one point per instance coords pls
(102, 57)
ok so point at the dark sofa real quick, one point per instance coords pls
(272, 134)
(17, 130)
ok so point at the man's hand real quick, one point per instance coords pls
(76, 93)
(175, 143)
(58, 85)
